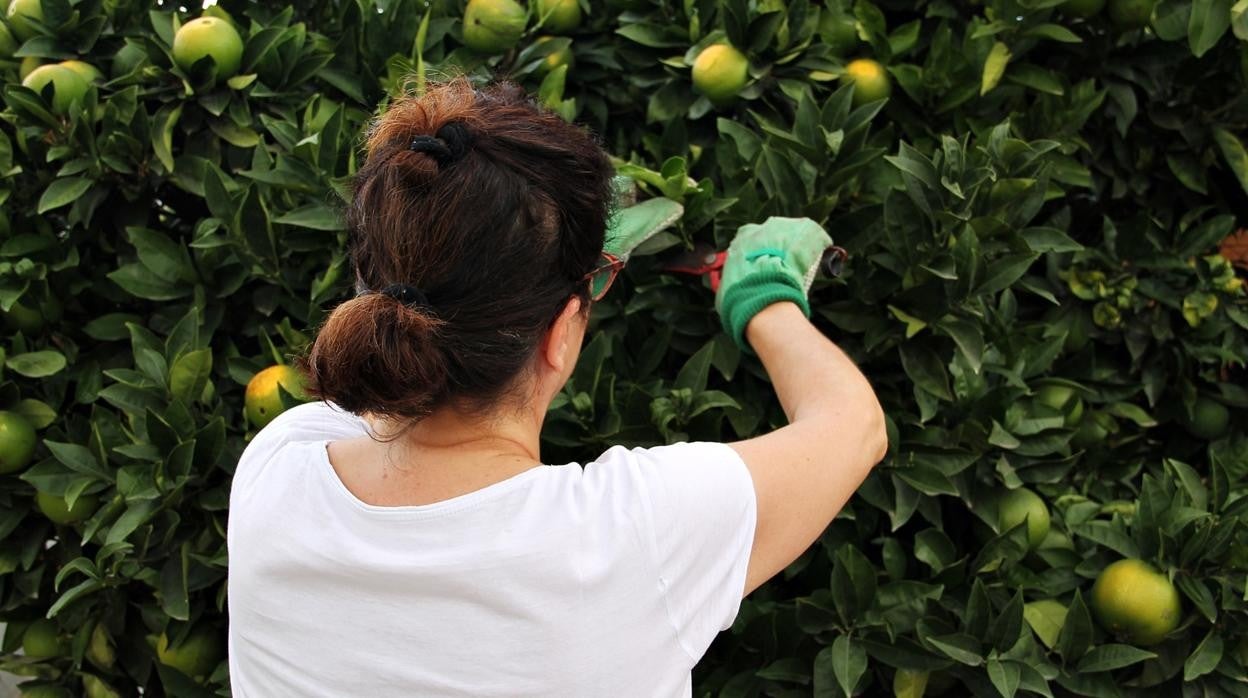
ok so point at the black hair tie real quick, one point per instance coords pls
(406, 294)
(456, 137)
(433, 146)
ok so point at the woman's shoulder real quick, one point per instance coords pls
(309, 422)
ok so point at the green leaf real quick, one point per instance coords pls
(37, 364)
(1209, 21)
(1239, 20)
(959, 647)
(40, 414)
(1054, 32)
(314, 216)
(1004, 677)
(994, 67)
(1234, 153)
(1046, 619)
(63, 192)
(174, 599)
(925, 368)
(1042, 240)
(1205, 658)
(1076, 634)
(1110, 657)
(189, 374)
(78, 459)
(849, 662)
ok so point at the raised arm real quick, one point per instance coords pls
(805, 472)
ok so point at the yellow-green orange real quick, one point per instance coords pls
(197, 656)
(493, 26)
(100, 648)
(42, 640)
(95, 687)
(910, 683)
(17, 442)
(22, 15)
(556, 58)
(720, 71)
(1018, 505)
(559, 16)
(28, 65)
(209, 36)
(871, 82)
(88, 72)
(262, 401)
(1130, 14)
(1209, 420)
(1062, 398)
(1082, 8)
(1135, 602)
(67, 85)
(59, 511)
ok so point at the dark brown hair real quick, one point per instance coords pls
(495, 209)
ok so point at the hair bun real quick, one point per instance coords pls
(457, 138)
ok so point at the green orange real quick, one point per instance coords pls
(42, 640)
(67, 85)
(211, 37)
(720, 72)
(196, 656)
(23, 14)
(1209, 420)
(493, 26)
(1130, 14)
(1019, 505)
(17, 442)
(1135, 602)
(556, 58)
(58, 510)
(88, 72)
(559, 16)
(262, 401)
(839, 31)
(870, 80)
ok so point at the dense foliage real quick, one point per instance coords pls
(1035, 287)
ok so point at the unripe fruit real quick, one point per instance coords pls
(67, 85)
(1135, 602)
(209, 36)
(720, 71)
(56, 508)
(1022, 504)
(559, 16)
(20, 14)
(493, 26)
(17, 442)
(871, 82)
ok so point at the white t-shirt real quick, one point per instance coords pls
(607, 580)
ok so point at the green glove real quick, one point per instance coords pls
(631, 226)
(768, 263)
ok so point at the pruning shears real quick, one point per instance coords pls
(705, 260)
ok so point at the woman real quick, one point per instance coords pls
(400, 538)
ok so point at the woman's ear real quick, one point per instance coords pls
(558, 350)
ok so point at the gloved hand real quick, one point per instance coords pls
(631, 226)
(768, 263)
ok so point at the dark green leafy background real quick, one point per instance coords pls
(1039, 203)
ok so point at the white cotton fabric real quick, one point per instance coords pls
(607, 580)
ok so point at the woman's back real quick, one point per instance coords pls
(607, 580)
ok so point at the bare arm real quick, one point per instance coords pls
(805, 472)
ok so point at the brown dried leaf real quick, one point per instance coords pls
(1235, 248)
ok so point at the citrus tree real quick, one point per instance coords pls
(1039, 199)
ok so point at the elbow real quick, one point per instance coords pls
(876, 437)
